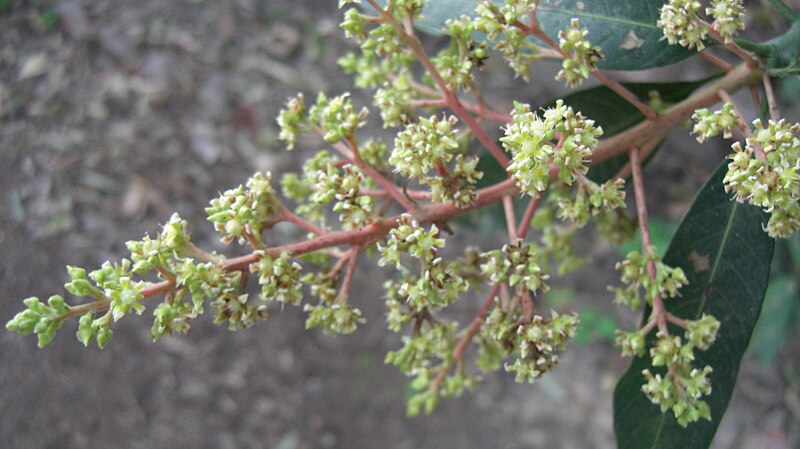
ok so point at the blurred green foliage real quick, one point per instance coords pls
(780, 315)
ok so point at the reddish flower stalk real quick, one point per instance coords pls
(659, 312)
(352, 261)
(525, 223)
(717, 61)
(511, 220)
(469, 334)
(290, 217)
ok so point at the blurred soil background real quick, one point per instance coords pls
(115, 114)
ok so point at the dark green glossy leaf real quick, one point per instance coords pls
(726, 256)
(625, 31)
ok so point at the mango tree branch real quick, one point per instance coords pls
(741, 76)
(359, 237)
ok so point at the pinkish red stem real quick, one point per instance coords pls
(288, 216)
(659, 312)
(348, 275)
(511, 220)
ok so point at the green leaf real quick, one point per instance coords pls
(625, 31)
(726, 256)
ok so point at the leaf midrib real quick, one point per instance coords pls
(718, 257)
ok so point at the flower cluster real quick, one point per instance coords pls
(394, 100)
(234, 310)
(423, 146)
(113, 288)
(148, 254)
(335, 318)
(290, 120)
(680, 22)
(40, 319)
(208, 280)
(410, 238)
(337, 117)
(709, 124)
(498, 22)
(431, 144)
(438, 283)
(728, 18)
(518, 264)
(171, 317)
(431, 342)
(682, 387)
(343, 185)
(424, 353)
(279, 278)
(681, 25)
(333, 312)
(667, 282)
(456, 63)
(593, 201)
(539, 343)
(241, 212)
(764, 173)
(581, 56)
(561, 138)
(354, 24)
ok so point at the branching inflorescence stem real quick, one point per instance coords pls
(741, 76)
(406, 33)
